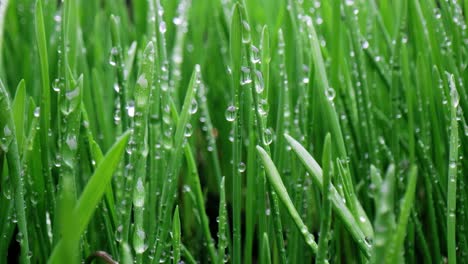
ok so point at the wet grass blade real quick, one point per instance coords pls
(340, 208)
(384, 222)
(92, 194)
(45, 103)
(176, 236)
(275, 180)
(19, 112)
(452, 175)
(236, 59)
(395, 248)
(169, 187)
(326, 213)
(266, 255)
(9, 145)
(222, 224)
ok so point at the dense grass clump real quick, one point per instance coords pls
(214, 131)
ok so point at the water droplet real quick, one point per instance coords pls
(6, 131)
(365, 44)
(131, 109)
(113, 55)
(142, 81)
(241, 167)
(309, 238)
(193, 107)
(231, 113)
(246, 78)
(71, 142)
(7, 192)
(259, 85)
(330, 93)
(246, 32)
(37, 111)
(255, 57)
(455, 97)
(263, 107)
(188, 130)
(118, 233)
(267, 136)
(362, 219)
(453, 165)
(139, 242)
(56, 85)
(162, 27)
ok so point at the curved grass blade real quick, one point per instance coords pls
(277, 183)
(127, 254)
(384, 222)
(188, 256)
(176, 236)
(359, 233)
(92, 194)
(407, 203)
(9, 145)
(326, 203)
(197, 187)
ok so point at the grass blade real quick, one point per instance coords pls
(407, 203)
(266, 255)
(275, 180)
(10, 146)
(452, 175)
(19, 112)
(176, 236)
(222, 224)
(236, 59)
(45, 102)
(92, 194)
(340, 208)
(326, 203)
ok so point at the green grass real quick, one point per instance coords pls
(224, 131)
